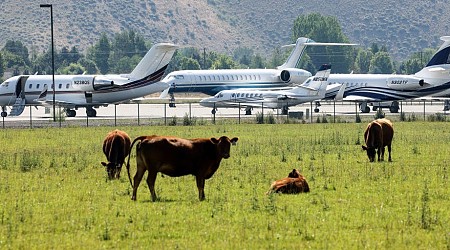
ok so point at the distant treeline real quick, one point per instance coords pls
(120, 54)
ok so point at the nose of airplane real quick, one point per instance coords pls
(160, 86)
(207, 102)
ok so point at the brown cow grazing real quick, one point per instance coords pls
(175, 157)
(116, 147)
(295, 183)
(378, 135)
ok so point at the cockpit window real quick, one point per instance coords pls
(179, 77)
(5, 84)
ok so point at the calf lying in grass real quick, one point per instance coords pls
(293, 184)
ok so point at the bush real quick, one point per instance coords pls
(188, 121)
(173, 122)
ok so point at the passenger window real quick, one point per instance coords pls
(60, 86)
(29, 86)
(67, 86)
(37, 86)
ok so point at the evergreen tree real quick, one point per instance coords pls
(100, 52)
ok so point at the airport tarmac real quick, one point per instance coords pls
(139, 113)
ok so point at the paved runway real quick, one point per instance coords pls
(141, 112)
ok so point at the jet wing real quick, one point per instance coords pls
(354, 98)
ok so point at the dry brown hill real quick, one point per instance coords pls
(404, 26)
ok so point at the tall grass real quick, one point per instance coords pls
(55, 194)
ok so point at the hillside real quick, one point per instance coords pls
(403, 26)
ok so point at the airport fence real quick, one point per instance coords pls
(191, 113)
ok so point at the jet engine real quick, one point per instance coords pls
(405, 83)
(89, 83)
(291, 76)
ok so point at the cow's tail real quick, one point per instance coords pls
(140, 138)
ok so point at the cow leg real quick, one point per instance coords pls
(389, 151)
(119, 168)
(137, 180)
(200, 187)
(382, 153)
(379, 153)
(151, 178)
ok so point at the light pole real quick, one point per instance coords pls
(53, 57)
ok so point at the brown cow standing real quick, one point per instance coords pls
(116, 147)
(295, 183)
(378, 135)
(175, 157)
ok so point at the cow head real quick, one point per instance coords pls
(112, 169)
(370, 152)
(223, 145)
(294, 174)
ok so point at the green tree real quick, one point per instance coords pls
(16, 54)
(189, 64)
(89, 66)
(100, 52)
(324, 29)
(126, 44)
(72, 69)
(362, 61)
(257, 62)
(381, 63)
(416, 61)
(224, 62)
(243, 56)
(277, 58)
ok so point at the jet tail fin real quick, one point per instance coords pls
(299, 49)
(442, 55)
(156, 58)
(318, 83)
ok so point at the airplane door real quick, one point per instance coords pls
(20, 87)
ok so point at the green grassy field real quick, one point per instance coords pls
(54, 192)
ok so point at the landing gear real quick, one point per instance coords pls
(172, 101)
(90, 112)
(71, 113)
(446, 105)
(4, 113)
(248, 111)
(364, 108)
(213, 111)
(316, 108)
(284, 110)
(394, 107)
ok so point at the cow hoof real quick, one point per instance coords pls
(133, 198)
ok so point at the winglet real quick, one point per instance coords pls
(43, 95)
(340, 95)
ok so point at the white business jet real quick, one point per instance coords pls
(88, 91)
(312, 89)
(382, 89)
(211, 82)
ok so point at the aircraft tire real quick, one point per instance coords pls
(91, 112)
(71, 113)
(393, 109)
